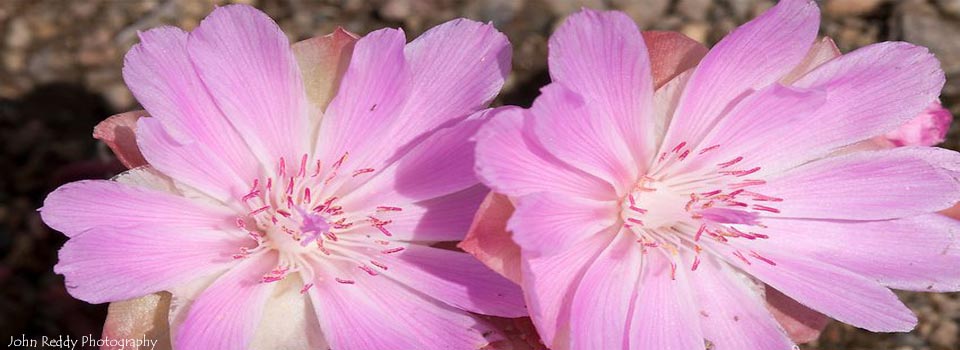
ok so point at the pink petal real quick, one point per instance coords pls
(119, 133)
(439, 219)
(437, 166)
(378, 313)
(664, 314)
(671, 53)
(488, 239)
(323, 60)
(368, 101)
(588, 140)
(833, 291)
(602, 57)
(916, 253)
(396, 93)
(456, 279)
(122, 261)
(164, 80)
(801, 323)
(546, 223)
(227, 313)
(865, 98)
(927, 129)
(822, 51)
(246, 63)
(731, 315)
(510, 161)
(773, 113)
(600, 309)
(82, 206)
(869, 185)
(754, 55)
(189, 162)
(549, 284)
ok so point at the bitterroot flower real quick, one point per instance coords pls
(651, 219)
(280, 214)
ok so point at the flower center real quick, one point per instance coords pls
(678, 205)
(296, 214)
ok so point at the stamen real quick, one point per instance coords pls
(731, 162)
(305, 288)
(344, 281)
(766, 208)
(362, 171)
(761, 258)
(392, 250)
(383, 209)
(708, 149)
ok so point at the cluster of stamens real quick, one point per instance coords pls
(296, 215)
(717, 202)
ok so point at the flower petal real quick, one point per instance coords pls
(141, 318)
(439, 165)
(188, 162)
(671, 53)
(246, 63)
(916, 253)
(927, 129)
(822, 51)
(87, 205)
(664, 314)
(488, 239)
(162, 77)
(116, 263)
(402, 93)
(600, 309)
(510, 161)
(439, 219)
(549, 284)
(833, 291)
(864, 99)
(868, 185)
(602, 57)
(754, 55)
(456, 279)
(802, 324)
(226, 314)
(289, 320)
(323, 60)
(119, 133)
(732, 316)
(545, 223)
(378, 313)
(564, 123)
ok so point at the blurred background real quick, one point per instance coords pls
(60, 66)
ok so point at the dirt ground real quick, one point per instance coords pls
(60, 74)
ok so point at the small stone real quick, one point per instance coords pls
(565, 7)
(19, 34)
(946, 335)
(118, 96)
(950, 7)
(644, 12)
(697, 31)
(694, 9)
(838, 8)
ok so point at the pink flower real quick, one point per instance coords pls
(652, 219)
(927, 129)
(278, 221)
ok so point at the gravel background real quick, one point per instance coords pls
(60, 74)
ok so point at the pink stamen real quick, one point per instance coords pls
(368, 270)
(679, 146)
(762, 258)
(731, 162)
(378, 264)
(766, 208)
(703, 228)
(384, 208)
(738, 254)
(684, 155)
(392, 250)
(259, 210)
(739, 173)
(303, 166)
(635, 221)
(708, 149)
(344, 281)
(305, 288)
(696, 263)
(362, 171)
